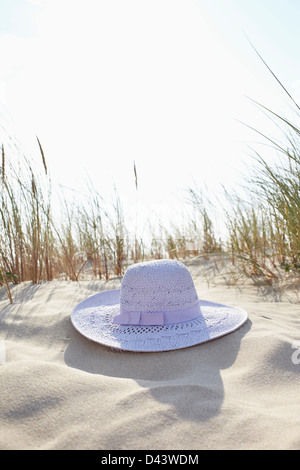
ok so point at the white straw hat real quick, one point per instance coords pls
(157, 309)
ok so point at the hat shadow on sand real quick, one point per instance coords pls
(187, 379)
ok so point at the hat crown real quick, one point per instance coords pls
(157, 286)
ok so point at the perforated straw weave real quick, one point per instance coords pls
(157, 309)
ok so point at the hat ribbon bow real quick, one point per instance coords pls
(166, 317)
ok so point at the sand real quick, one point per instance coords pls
(61, 391)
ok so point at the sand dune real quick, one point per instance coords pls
(61, 391)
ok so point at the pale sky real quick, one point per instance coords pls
(104, 83)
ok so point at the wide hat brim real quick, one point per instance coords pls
(93, 318)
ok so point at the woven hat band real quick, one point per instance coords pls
(167, 317)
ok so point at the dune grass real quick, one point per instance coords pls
(26, 238)
(264, 231)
